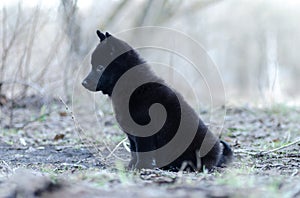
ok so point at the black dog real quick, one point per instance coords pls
(173, 133)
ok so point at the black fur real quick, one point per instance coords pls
(141, 100)
(100, 35)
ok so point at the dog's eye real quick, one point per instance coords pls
(100, 68)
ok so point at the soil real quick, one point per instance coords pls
(43, 153)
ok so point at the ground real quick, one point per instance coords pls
(43, 153)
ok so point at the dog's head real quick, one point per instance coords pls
(107, 60)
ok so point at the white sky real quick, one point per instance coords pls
(83, 4)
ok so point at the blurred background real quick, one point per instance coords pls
(253, 43)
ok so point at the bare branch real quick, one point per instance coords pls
(143, 14)
(35, 18)
(194, 7)
(114, 13)
(55, 46)
(26, 84)
(31, 121)
(4, 55)
(14, 34)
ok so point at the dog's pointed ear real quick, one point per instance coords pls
(100, 35)
(107, 34)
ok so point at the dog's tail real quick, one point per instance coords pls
(227, 154)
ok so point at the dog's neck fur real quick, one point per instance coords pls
(132, 60)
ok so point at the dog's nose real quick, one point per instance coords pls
(84, 83)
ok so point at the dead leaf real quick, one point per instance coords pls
(63, 114)
(3, 100)
(59, 137)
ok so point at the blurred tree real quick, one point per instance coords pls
(70, 25)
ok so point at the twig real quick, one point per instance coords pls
(33, 120)
(116, 147)
(261, 153)
(280, 148)
(110, 151)
(81, 131)
(246, 152)
(77, 126)
(25, 84)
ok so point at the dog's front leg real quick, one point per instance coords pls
(145, 154)
(133, 150)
